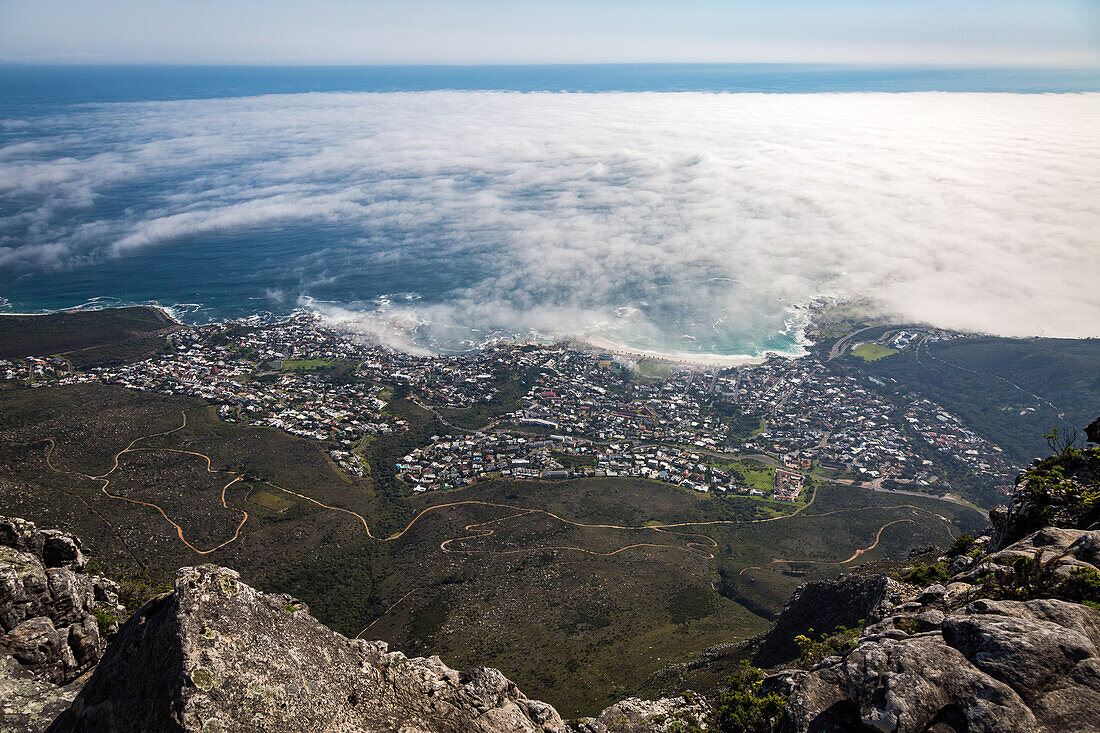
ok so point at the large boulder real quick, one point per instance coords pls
(991, 666)
(824, 605)
(48, 604)
(217, 655)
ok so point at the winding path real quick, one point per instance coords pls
(697, 544)
(131, 449)
(477, 530)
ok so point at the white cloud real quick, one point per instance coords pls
(550, 211)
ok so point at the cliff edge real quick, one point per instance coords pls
(217, 656)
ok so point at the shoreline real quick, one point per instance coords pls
(586, 342)
(678, 358)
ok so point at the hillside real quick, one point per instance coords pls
(1010, 390)
(609, 619)
(87, 338)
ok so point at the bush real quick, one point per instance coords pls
(923, 575)
(742, 708)
(1082, 586)
(1033, 579)
(811, 652)
(104, 621)
(962, 545)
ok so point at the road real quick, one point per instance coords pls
(838, 347)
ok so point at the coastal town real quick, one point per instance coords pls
(557, 411)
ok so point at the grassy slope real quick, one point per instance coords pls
(989, 382)
(88, 338)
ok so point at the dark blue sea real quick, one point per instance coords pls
(436, 207)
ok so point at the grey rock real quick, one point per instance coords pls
(62, 549)
(1086, 548)
(823, 606)
(647, 716)
(904, 685)
(84, 641)
(217, 654)
(1017, 646)
(35, 642)
(1092, 432)
(932, 594)
(960, 564)
(930, 619)
(1067, 549)
(27, 702)
(19, 534)
(991, 666)
(47, 605)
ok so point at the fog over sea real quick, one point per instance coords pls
(692, 209)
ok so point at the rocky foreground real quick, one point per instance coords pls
(927, 663)
(50, 630)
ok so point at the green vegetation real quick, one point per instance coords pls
(510, 391)
(271, 501)
(1008, 390)
(924, 575)
(742, 425)
(1050, 483)
(425, 624)
(571, 461)
(104, 621)
(754, 474)
(744, 708)
(962, 545)
(653, 369)
(136, 586)
(304, 365)
(692, 603)
(872, 352)
(1033, 578)
(86, 338)
(811, 651)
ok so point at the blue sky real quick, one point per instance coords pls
(979, 32)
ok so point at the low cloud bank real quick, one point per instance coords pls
(655, 217)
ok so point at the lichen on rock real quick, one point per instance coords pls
(218, 655)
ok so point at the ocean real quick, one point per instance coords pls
(688, 209)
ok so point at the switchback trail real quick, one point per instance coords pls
(477, 530)
(131, 449)
(695, 544)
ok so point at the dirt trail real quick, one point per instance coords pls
(477, 530)
(698, 548)
(131, 449)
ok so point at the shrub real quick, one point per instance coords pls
(811, 652)
(1082, 586)
(923, 575)
(1032, 578)
(908, 625)
(962, 545)
(104, 621)
(743, 709)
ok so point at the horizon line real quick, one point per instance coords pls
(570, 64)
